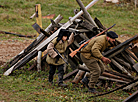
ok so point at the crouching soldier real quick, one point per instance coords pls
(94, 59)
(61, 42)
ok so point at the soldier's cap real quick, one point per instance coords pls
(63, 32)
(112, 34)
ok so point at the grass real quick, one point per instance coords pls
(15, 17)
(32, 86)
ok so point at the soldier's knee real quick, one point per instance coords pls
(98, 72)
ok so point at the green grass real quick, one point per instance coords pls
(33, 86)
(15, 16)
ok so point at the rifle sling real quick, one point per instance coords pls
(83, 51)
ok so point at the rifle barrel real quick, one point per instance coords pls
(72, 54)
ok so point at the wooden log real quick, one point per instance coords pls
(121, 75)
(43, 59)
(33, 15)
(114, 76)
(129, 87)
(120, 67)
(86, 14)
(128, 58)
(78, 30)
(39, 61)
(88, 26)
(69, 75)
(78, 77)
(38, 15)
(111, 79)
(135, 50)
(76, 43)
(83, 67)
(117, 52)
(99, 24)
(106, 74)
(132, 55)
(43, 45)
(121, 61)
(135, 66)
(83, 36)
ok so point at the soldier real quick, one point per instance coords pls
(53, 59)
(93, 58)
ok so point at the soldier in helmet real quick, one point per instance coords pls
(94, 59)
(64, 39)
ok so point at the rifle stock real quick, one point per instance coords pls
(72, 54)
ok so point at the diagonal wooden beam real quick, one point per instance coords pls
(86, 14)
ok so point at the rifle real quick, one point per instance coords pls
(72, 54)
(60, 55)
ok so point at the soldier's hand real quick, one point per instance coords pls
(106, 60)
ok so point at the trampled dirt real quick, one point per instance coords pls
(10, 48)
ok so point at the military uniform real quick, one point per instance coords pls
(61, 47)
(91, 56)
(52, 56)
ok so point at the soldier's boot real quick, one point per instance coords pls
(60, 83)
(85, 82)
(93, 90)
(50, 79)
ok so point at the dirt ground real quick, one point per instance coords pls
(10, 48)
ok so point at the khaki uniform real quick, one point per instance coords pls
(61, 47)
(51, 58)
(91, 56)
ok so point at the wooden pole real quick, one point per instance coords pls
(39, 22)
(78, 77)
(86, 14)
(38, 16)
(105, 74)
(39, 61)
(120, 67)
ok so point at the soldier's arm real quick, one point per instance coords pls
(71, 39)
(50, 49)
